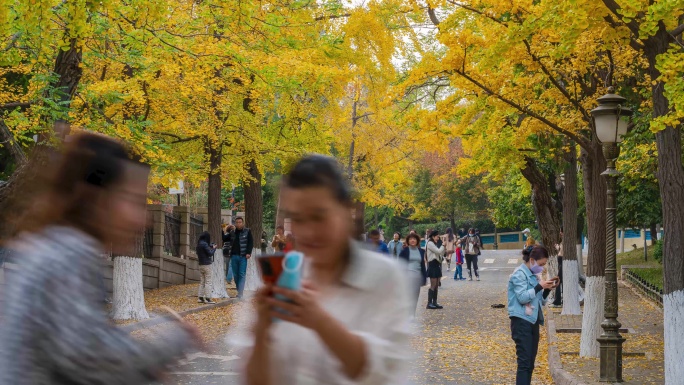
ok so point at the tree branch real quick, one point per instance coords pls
(433, 16)
(581, 141)
(614, 7)
(677, 31)
(12, 145)
(8, 106)
(329, 17)
(177, 138)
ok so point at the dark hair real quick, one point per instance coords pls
(88, 160)
(433, 233)
(374, 233)
(280, 227)
(204, 237)
(239, 219)
(471, 229)
(398, 233)
(450, 234)
(535, 252)
(320, 171)
(414, 236)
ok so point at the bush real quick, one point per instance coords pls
(658, 251)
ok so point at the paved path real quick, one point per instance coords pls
(468, 342)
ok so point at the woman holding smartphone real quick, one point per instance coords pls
(526, 297)
(349, 323)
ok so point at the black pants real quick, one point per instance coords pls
(526, 337)
(558, 296)
(471, 261)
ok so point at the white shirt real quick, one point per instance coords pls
(372, 302)
(434, 252)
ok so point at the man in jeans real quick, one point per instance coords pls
(241, 250)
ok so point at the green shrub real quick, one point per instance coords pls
(658, 251)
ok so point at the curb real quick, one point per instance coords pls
(144, 324)
(559, 375)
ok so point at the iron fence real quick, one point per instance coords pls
(646, 288)
(196, 228)
(172, 225)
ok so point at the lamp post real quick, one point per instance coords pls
(611, 120)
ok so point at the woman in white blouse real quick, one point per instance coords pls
(434, 257)
(349, 323)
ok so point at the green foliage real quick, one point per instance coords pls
(512, 203)
(658, 251)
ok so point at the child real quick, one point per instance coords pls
(458, 275)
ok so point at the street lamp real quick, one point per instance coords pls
(611, 120)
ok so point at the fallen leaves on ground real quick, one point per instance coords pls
(646, 321)
(178, 297)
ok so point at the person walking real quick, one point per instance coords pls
(349, 323)
(527, 295)
(205, 254)
(458, 259)
(279, 241)
(395, 246)
(227, 245)
(529, 241)
(449, 241)
(241, 248)
(376, 243)
(414, 257)
(472, 246)
(54, 328)
(558, 293)
(434, 256)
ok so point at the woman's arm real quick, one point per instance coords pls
(523, 294)
(348, 347)
(434, 249)
(258, 367)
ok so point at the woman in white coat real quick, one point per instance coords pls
(434, 257)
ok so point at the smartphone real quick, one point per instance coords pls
(271, 267)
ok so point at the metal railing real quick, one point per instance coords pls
(172, 225)
(649, 290)
(196, 228)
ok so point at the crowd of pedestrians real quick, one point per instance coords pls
(425, 258)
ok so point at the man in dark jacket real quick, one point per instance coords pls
(241, 250)
(205, 255)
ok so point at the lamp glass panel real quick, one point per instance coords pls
(622, 128)
(606, 126)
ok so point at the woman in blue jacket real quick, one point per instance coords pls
(526, 295)
(414, 257)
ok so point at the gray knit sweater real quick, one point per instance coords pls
(55, 330)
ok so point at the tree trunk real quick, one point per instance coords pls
(218, 276)
(452, 221)
(671, 183)
(214, 192)
(545, 211)
(595, 189)
(654, 233)
(570, 269)
(254, 205)
(14, 196)
(128, 300)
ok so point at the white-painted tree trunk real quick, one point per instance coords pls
(593, 316)
(218, 276)
(580, 261)
(252, 278)
(128, 301)
(673, 306)
(622, 240)
(571, 287)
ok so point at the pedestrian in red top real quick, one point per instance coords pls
(458, 257)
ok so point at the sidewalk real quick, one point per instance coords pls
(642, 351)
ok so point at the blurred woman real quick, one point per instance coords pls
(349, 322)
(449, 242)
(414, 257)
(55, 330)
(434, 256)
(526, 298)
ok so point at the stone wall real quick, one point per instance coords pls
(163, 272)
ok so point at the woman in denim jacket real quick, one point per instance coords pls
(526, 295)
